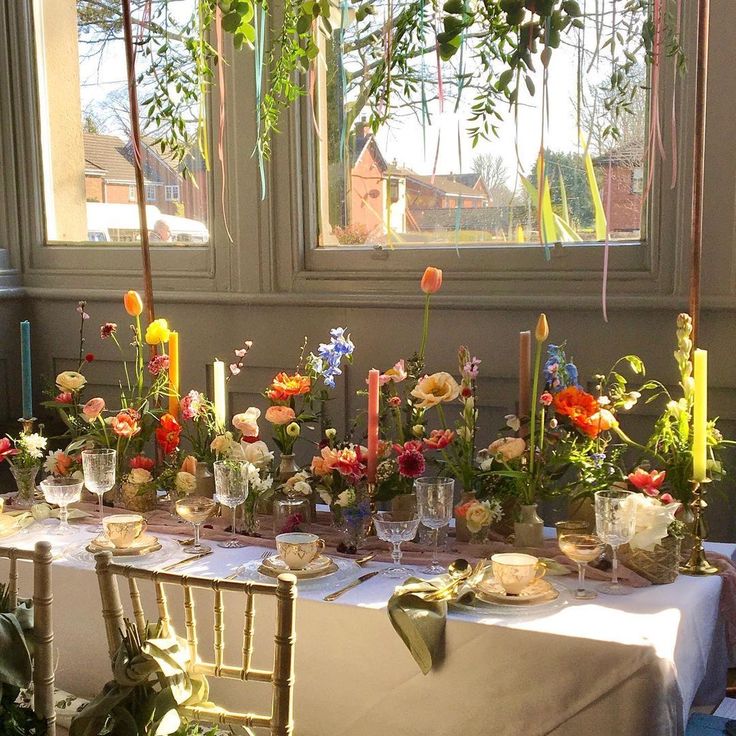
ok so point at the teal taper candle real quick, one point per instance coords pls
(25, 357)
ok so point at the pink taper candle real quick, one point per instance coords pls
(525, 363)
(373, 409)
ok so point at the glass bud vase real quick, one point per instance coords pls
(480, 536)
(529, 529)
(25, 481)
(291, 514)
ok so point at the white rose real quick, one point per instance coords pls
(257, 453)
(70, 381)
(185, 482)
(325, 496)
(652, 519)
(302, 487)
(139, 476)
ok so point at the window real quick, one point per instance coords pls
(637, 180)
(87, 156)
(419, 180)
(172, 193)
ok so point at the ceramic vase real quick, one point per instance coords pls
(529, 529)
(287, 468)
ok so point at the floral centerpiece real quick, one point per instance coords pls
(295, 398)
(339, 476)
(478, 517)
(654, 550)
(127, 429)
(25, 456)
(670, 444)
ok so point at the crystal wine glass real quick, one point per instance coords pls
(61, 492)
(615, 523)
(434, 503)
(231, 489)
(196, 510)
(582, 549)
(395, 531)
(99, 474)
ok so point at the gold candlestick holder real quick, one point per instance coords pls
(698, 563)
(27, 425)
(371, 490)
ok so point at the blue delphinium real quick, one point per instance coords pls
(558, 372)
(327, 361)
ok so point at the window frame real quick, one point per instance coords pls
(172, 187)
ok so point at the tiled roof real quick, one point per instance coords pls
(107, 152)
(449, 183)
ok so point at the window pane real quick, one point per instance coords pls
(418, 178)
(89, 180)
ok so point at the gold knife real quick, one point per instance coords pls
(185, 561)
(350, 586)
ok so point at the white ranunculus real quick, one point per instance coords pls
(346, 498)
(324, 494)
(257, 453)
(652, 520)
(139, 476)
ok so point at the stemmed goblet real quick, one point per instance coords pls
(99, 474)
(231, 489)
(196, 510)
(61, 492)
(581, 549)
(434, 503)
(615, 522)
(395, 531)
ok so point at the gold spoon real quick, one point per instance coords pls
(459, 571)
(365, 560)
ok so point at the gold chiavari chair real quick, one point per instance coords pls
(281, 677)
(43, 633)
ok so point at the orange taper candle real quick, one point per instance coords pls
(174, 374)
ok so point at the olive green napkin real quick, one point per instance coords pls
(420, 621)
(15, 661)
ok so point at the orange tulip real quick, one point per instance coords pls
(431, 280)
(542, 331)
(133, 303)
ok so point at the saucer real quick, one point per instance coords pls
(144, 545)
(536, 593)
(319, 567)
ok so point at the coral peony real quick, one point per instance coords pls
(439, 439)
(285, 386)
(125, 424)
(649, 483)
(141, 462)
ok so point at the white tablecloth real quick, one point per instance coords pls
(616, 665)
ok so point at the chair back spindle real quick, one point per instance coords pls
(280, 677)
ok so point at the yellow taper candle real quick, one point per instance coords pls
(174, 374)
(700, 415)
(220, 399)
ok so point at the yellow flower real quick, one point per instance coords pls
(157, 332)
(542, 331)
(418, 430)
(435, 389)
(293, 429)
(70, 381)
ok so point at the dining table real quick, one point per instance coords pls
(621, 665)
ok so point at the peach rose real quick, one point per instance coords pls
(280, 415)
(324, 463)
(507, 448)
(189, 465)
(93, 408)
(436, 389)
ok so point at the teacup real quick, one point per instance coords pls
(123, 529)
(514, 571)
(298, 549)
